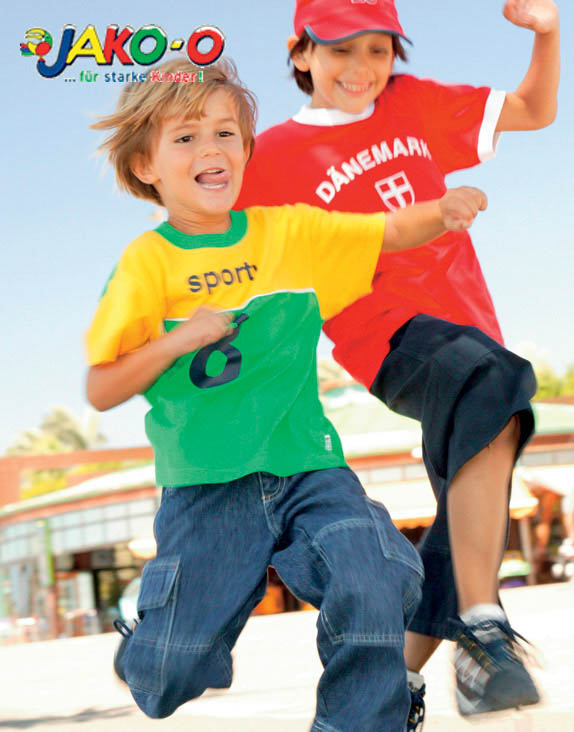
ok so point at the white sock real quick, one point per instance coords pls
(415, 680)
(482, 611)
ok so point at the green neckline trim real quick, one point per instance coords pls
(235, 233)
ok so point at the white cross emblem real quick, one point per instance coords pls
(396, 191)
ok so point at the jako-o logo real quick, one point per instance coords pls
(39, 43)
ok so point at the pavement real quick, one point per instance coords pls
(67, 684)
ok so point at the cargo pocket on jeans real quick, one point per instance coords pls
(148, 648)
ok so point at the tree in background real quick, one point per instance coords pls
(568, 382)
(59, 431)
(550, 385)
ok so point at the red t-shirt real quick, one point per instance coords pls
(395, 153)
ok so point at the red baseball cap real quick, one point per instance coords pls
(330, 21)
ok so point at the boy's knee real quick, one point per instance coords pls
(376, 582)
(185, 673)
(166, 663)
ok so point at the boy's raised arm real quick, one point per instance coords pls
(110, 384)
(534, 103)
(415, 225)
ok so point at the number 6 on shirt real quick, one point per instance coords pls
(197, 369)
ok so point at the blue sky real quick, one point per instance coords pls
(65, 224)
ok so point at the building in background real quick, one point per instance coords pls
(66, 557)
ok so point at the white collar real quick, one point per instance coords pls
(323, 117)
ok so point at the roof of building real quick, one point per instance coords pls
(116, 481)
(368, 427)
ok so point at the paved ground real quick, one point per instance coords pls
(61, 685)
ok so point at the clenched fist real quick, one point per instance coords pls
(459, 207)
(205, 326)
(540, 16)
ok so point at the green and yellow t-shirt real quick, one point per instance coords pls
(250, 401)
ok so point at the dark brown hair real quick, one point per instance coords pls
(303, 78)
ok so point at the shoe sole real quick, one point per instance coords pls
(505, 691)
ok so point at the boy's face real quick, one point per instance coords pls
(197, 165)
(351, 74)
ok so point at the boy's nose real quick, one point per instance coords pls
(361, 65)
(209, 147)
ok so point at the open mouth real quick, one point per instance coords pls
(213, 178)
(356, 89)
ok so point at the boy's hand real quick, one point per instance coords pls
(205, 326)
(420, 223)
(110, 384)
(459, 207)
(540, 16)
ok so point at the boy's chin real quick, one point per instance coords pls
(218, 202)
(217, 212)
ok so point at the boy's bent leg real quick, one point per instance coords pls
(197, 594)
(341, 552)
(462, 551)
(418, 649)
(464, 388)
(472, 398)
(477, 508)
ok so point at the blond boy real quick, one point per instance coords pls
(215, 316)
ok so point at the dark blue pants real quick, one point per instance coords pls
(331, 545)
(462, 387)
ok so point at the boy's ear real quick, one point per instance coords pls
(291, 41)
(298, 59)
(142, 168)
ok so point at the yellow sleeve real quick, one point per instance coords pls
(344, 250)
(129, 314)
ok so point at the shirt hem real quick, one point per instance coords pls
(186, 477)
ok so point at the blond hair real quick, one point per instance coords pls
(144, 105)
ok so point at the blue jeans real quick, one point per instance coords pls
(332, 547)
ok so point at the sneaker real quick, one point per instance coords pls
(490, 675)
(417, 710)
(126, 634)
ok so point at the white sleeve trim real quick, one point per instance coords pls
(488, 137)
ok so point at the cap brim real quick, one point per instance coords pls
(347, 37)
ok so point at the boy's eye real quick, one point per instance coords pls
(340, 50)
(185, 138)
(225, 133)
(380, 51)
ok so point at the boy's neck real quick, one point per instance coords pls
(194, 224)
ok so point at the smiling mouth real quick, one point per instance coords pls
(213, 178)
(354, 88)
